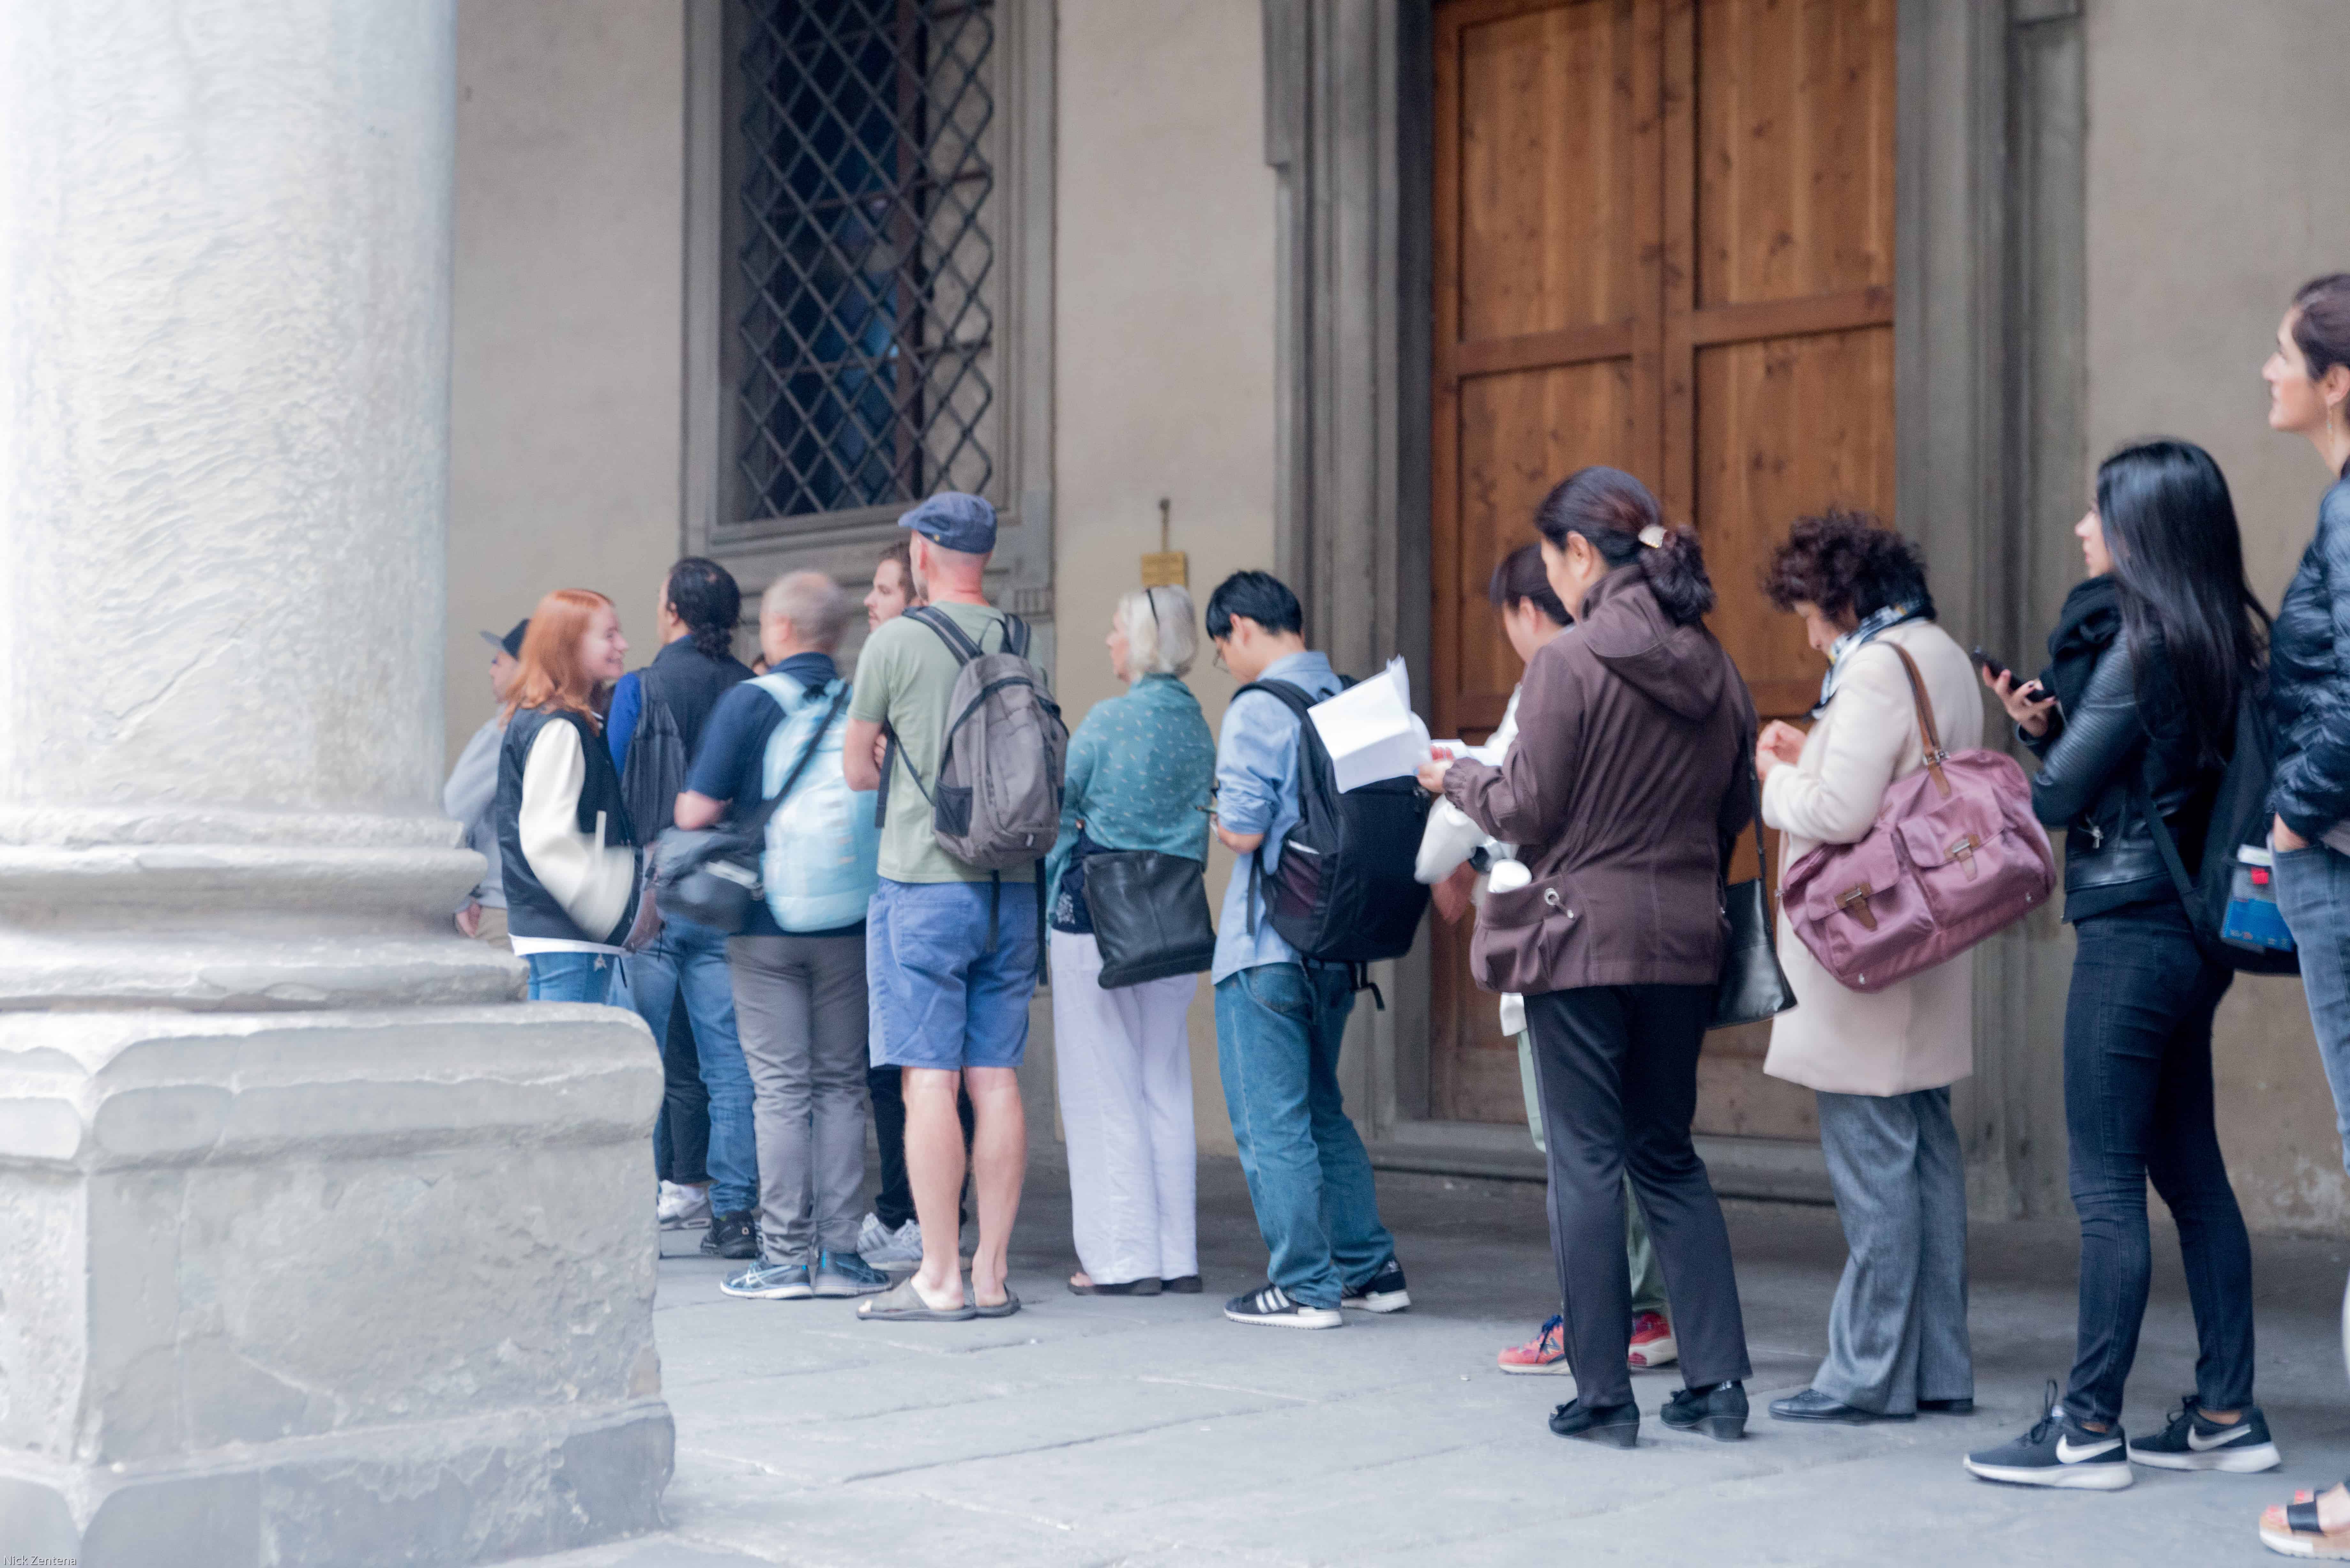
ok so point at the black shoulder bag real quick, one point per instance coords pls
(1753, 986)
(1149, 913)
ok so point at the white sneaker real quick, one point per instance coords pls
(887, 1248)
(683, 1207)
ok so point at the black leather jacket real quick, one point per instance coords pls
(2309, 689)
(2090, 763)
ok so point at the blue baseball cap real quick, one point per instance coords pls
(954, 521)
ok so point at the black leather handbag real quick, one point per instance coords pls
(1753, 986)
(1149, 913)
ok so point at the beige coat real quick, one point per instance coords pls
(1919, 1034)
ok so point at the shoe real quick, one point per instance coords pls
(1812, 1405)
(1544, 1354)
(1652, 1343)
(887, 1248)
(681, 1207)
(1276, 1308)
(1719, 1412)
(847, 1274)
(732, 1235)
(2058, 1451)
(1616, 1425)
(2192, 1443)
(1945, 1407)
(1183, 1285)
(2294, 1532)
(771, 1282)
(1382, 1292)
(1150, 1286)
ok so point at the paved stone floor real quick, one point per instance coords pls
(1086, 1431)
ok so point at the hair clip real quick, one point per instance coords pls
(1653, 536)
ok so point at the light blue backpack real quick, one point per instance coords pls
(819, 868)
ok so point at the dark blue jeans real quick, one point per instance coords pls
(570, 977)
(681, 1131)
(2313, 888)
(2138, 1105)
(1278, 1029)
(687, 963)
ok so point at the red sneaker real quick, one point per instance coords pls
(1652, 1343)
(1546, 1352)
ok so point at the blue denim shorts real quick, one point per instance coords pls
(940, 997)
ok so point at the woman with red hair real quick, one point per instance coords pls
(573, 872)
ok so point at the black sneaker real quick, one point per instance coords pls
(1383, 1292)
(2190, 1442)
(2058, 1451)
(1719, 1412)
(1276, 1308)
(732, 1235)
(1619, 1426)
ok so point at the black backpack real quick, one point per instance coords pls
(655, 775)
(1344, 891)
(2239, 818)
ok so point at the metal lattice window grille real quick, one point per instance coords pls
(863, 258)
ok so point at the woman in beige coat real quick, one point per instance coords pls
(1882, 1064)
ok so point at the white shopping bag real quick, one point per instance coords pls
(1370, 731)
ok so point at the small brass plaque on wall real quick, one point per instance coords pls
(1166, 569)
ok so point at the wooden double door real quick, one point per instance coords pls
(1663, 241)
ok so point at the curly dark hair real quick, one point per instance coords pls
(1846, 562)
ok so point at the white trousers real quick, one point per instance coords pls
(1123, 1059)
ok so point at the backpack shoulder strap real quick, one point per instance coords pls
(958, 641)
(755, 824)
(1015, 636)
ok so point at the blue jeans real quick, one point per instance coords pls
(2138, 1105)
(2313, 888)
(1278, 1029)
(570, 977)
(688, 962)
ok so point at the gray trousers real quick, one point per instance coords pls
(1897, 1331)
(799, 1004)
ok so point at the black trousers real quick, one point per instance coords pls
(681, 1131)
(2138, 1106)
(886, 1087)
(1617, 1069)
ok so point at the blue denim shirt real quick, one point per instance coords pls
(1256, 792)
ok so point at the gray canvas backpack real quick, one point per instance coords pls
(996, 802)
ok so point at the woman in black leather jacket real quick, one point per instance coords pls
(2308, 374)
(2131, 721)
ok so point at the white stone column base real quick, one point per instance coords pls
(346, 1287)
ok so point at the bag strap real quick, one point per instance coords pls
(1928, 736)
(1294, 698)
(755, 824)
(2165, 844)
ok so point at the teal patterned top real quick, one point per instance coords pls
(1140, 772)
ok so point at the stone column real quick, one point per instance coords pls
(322, 1246)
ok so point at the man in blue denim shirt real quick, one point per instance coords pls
(1280, 1019)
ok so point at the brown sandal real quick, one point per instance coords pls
(2292, 1531)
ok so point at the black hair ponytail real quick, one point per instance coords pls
(709, 600)
(1617, 518)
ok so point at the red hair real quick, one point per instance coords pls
(550, 676)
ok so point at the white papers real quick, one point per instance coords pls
(1370, 731)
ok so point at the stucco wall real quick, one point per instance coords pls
(564, 405)
(1164, 375)
(2210, 199)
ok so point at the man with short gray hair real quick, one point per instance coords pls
(798, 966)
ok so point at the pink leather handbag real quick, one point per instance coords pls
(1955, 855)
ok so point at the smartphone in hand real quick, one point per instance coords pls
(1991, 668)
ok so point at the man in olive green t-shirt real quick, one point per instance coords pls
(952, 1003)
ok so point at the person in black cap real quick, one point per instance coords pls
(471, 795)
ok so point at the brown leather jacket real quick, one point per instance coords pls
(1629, 781)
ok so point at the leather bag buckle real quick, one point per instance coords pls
(1854, 901)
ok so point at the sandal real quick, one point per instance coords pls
(1146, 1286)
(2292, 1531)
(903, 1303)
(1004, 1308)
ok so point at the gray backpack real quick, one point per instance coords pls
(997, 799)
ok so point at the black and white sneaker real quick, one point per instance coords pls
(2058, 1451)
(1383, 1292)
(2192, 1442)
(1276, 1308)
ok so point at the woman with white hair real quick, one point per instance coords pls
(1139, 776)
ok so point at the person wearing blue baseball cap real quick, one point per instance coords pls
(950, 985)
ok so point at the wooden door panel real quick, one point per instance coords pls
(1547, 238)
(1795, 148)
(1786, 426)
(1519, 433)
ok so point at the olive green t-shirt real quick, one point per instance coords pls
(905, 675)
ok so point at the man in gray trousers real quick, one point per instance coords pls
(798, 966)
